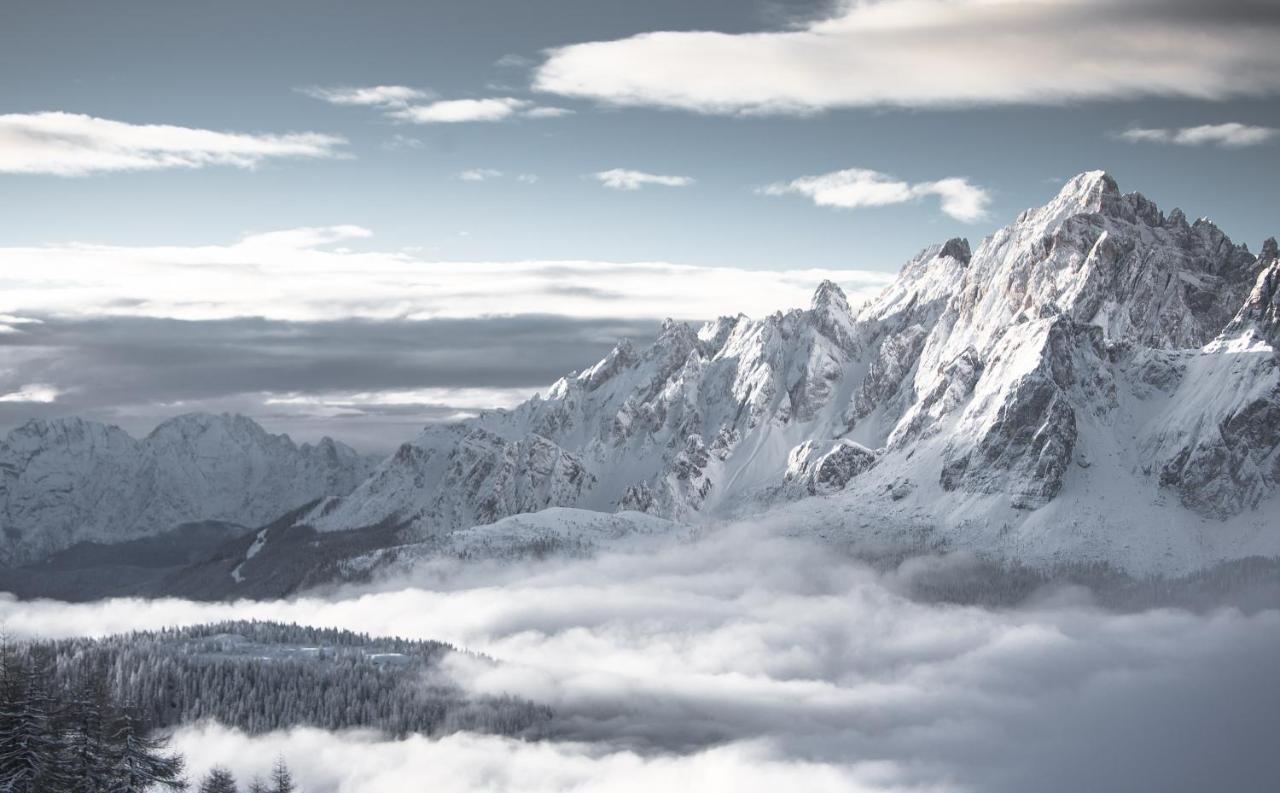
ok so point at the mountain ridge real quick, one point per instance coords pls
(1086, 377)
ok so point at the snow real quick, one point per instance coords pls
(1094, 381)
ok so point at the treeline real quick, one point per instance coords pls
(265, 676)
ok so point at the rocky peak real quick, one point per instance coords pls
(1269, 252)
(957, 248)
(832, 316)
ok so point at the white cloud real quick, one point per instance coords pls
(72, 144)
(487, 174)
(479, 174)
(456, 111)
(300, 274)
(938, 53)
(624, 179)
(374, 95)
(1229, 135)
(32, 392)
(548, 112)
(856, 188)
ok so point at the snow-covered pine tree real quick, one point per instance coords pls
(282, 778)
(31, 746)
(218, 780)
(140, 764)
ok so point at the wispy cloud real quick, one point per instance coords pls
(856, 188)
(479, 174)
(488, 174)
(457, 111)
(1231, 135)
(625, 179)
(311, 274)
(373, 95)
(73, 144)
(32, 392)
(938, 53)
(421, 106)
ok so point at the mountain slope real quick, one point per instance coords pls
(1092, 347)
(68, 481)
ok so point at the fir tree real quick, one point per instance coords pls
(282, 778)
(140, 763)
(218, 780)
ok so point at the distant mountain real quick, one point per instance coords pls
(70, 481)
(1096, 355)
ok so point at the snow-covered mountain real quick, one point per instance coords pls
(1096, 355)
(71, 480)
(1096, 380)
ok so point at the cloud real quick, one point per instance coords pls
(479, 174)
(548, 112)
(306, 275)
(741, 659)
(370, 383)
(455, 111)
(1230, 135)
(32, 392)
(929, 53)
(624, 179)
(311, 337)
(856, 188)
(487, 174)
(72, 144)
(459, 111)
(375, 95)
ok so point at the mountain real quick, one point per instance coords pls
(1095, 379)
(72, 481)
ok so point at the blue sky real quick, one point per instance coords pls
(720, 99)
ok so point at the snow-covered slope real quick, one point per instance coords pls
(1094, 364)
(71, 480)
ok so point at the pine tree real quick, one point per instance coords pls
(257, 786)
(30, 744)
(282, 778)
(89, 753)
(218, 780)
(140, 763)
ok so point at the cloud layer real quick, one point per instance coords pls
(919, 53)
(1231, 135)
(72, 144)
(745, 661)
(298, 274)
(313, 338)
(625, 179)
(856, 188)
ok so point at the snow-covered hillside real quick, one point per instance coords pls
(1096, 374)
(71, 480)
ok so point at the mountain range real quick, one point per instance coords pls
(1097, 380)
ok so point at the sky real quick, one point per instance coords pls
(351, 219)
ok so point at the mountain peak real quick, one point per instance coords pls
(1091, 191)
(827, 295)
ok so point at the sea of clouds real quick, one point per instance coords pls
(743, 661)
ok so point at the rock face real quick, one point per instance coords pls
(70, 480)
